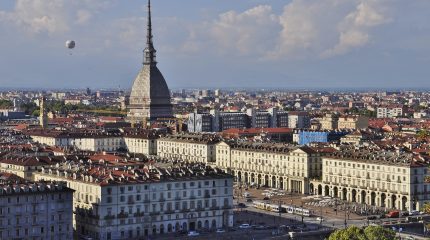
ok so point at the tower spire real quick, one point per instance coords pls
(149, 52)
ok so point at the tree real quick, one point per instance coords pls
(426, 208)
(351, 233)
(369, 233)
(379, 233)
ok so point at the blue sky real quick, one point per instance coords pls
(218, 43)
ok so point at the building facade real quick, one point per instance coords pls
(36, 211)
(188, 147)
(132, 204)
(277, 166)
(376, 178)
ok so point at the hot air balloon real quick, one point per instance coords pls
(70, 44)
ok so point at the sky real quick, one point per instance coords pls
(271, 44)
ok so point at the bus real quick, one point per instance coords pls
(297, 210)
(274, 208)
(259, 205)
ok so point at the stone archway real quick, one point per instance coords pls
(373, 198)
(354, 195)
(266, 180)
(383, 199)
(311, 188)
(335, 192)
(404, 202)
(344, 194)
(239, 177)
(319, 189)
(326, 191)
(363, 197)
(246, 177)
(273, 182)
(252, 178)
(393, 201)
(281, 183)
(259, 180)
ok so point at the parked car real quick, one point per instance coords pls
(414, 212)
(320, 219)
(220, 230)
(393, 214)
(372, 217)
(266, 198)
(193, 234)
(249, 200)
(244, 226)
(241, 205)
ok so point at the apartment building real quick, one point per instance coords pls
(188, 147)
(146, 201)
(353, 122)
(272, 165)
(374, 177)
(298, 120)
(390, 111)
(142, 142)
(25, 166)
(82, 140)
(329, 122)
(40, 210)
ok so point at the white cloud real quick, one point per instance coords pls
(52, 16)
(355, 28)
(250, 32)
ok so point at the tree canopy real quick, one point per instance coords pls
(368, 233)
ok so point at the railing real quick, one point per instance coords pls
(139, 214)
(185, 210)
(122, 215)
(226, 207)
(154, 213)
(108, 217)
(214, 208)
(207, 196)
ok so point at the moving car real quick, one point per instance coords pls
(193, 234)
(244, 226)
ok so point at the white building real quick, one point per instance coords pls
(375, 177)
(188, 147)
(390, 111)
(134, 203)
(276, 166)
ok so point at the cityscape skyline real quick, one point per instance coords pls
(364, 44)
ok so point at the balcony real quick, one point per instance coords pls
(162, 200)
(109, 217)
(207, 196)
(122, 215)
(130, 201)
(139, 214)
(199, 209)
(169, 211)
(184, 210)
(154, 213)
(214, 208)
(193, 197)
(177, 198)
(226, 207)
